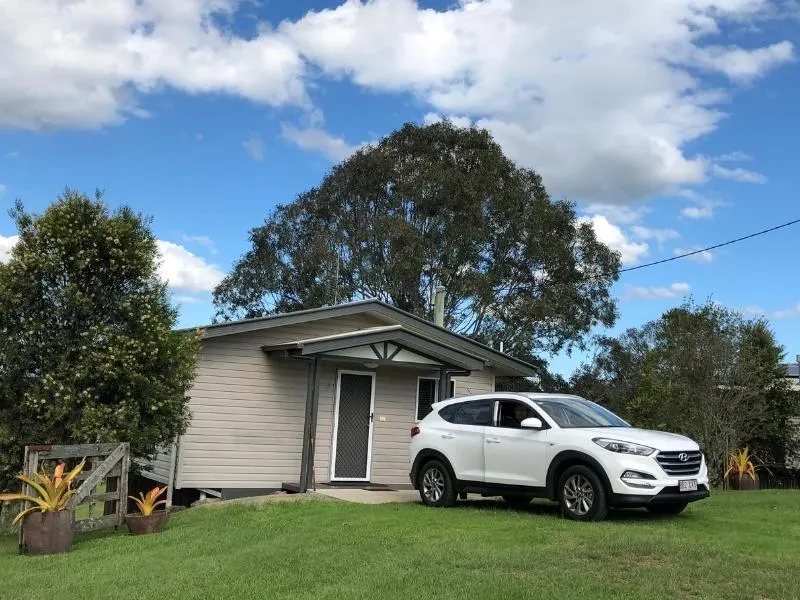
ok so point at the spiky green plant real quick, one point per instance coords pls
(53, 492)
(146, 503)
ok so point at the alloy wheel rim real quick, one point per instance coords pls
(433, 485)
(578, 495)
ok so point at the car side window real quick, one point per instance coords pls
(448, 412)
(475, 412)
(511, 413)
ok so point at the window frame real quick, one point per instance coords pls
(417, 418)
(496, 413)
(452, 391)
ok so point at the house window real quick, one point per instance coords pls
(428, 393)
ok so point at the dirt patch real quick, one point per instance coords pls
(276, 497)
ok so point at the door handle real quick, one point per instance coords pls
(447, 436)
(492, 441)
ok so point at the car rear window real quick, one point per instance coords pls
(475, 412)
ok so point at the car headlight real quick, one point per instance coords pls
(624, 447)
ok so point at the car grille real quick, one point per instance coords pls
(673, 464)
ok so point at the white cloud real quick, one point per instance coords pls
(791, 9)
(658, 293)
(254, 148)
(84, 64)
(185, 271)
(658, 235)
(622, 214)
(703, 207)
(754, 310)
(317, 139)
(615, 238)
(12, 154)
(6, 244)
(2, 189)
(697, 212)
(735, 156)
(189, 300)
(603, 104)
(181, 269)
(704, 257)
(744, 65)
(201, 240)
(463, 122)
(738, 174)
(786, 313)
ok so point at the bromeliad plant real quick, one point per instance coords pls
(52, 492)
(147, 503)
(148, 520)
(741, 468)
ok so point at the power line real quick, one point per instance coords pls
(728, 243)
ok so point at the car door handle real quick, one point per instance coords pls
(447, 436)
(492, 441)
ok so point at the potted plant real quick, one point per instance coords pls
(741, 473)
(47, 525)
(148, 519)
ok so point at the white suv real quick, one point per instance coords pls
(560, 447)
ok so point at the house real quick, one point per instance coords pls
(319, 396)
(793, 375)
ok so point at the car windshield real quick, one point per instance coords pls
(576, 412)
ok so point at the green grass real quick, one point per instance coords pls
(734, 545)
(97, 509)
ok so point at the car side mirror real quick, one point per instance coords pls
(532, 423)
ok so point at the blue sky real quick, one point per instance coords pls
(672, 123)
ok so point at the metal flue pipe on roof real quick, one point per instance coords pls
(438, 307)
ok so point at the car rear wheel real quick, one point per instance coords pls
(667, 510)
(581, 494)
(518, 501)
(436, 485)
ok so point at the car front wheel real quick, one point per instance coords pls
(581, 494)
(436, 487)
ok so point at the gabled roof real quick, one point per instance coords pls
(397, 334)
(792, 370)
(412, 324)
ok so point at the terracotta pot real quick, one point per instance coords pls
(742, 482)
(48, 532)
(141, 525)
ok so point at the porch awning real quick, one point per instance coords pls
(390, 345)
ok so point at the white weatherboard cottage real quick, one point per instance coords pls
(319, 396)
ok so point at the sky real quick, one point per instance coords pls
(672, 124)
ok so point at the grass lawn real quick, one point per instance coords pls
(734, 545)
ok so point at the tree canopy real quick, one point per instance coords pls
(701, 370)
(87, 347)
(427, 206)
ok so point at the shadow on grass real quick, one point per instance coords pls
(552, 510)
(92, 536)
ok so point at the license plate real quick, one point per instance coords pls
(687, 485)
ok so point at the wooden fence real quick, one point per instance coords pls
(107, 463)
